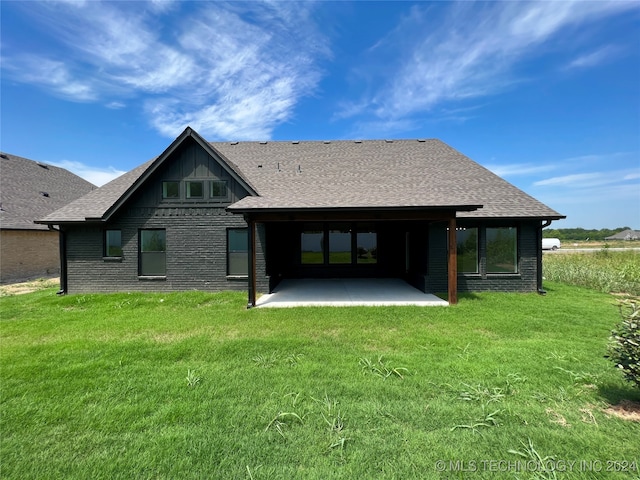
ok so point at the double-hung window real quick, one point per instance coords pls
(238, 251)
(153, 252)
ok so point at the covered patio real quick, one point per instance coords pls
(342, 292)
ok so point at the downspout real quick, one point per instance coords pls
(545, 224)
(62, 242)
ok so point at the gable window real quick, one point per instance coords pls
(171, 189)
(467, 251)
(153, 252)
(218, 189)
(195, 189)
(112, 243)
(502, 250)
(238, 251)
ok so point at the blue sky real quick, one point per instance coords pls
(547, 95)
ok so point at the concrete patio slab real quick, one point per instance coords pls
(338, 292)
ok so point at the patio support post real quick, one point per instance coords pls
(252, 263)
(453, 262)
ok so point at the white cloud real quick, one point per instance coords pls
(595, 58)
(514, 169)
(465, 50)
(230, 70)
(97, 176)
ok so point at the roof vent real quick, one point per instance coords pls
(2, 155)
(422, 140)
(44, 194)
(327, 141)
(296, 142)
(357, 141)
(389, 141)
(299, 169)
(233, 143)
(263, 143)
(46, 167)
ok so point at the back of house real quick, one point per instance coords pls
(245, 215)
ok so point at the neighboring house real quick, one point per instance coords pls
(244, 215)
(30, 190)
(625, 235)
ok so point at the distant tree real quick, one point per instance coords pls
(568, 234)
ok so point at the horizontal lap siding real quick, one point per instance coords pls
(196, 255)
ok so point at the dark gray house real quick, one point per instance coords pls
(244, 215)
(29, 190)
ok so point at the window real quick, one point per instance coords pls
(195, 189)
(238, 251)
(339, 243)
(218, 189)
(502, 250)
(171, 189)
(467, 251)
(367, 246)
(112, 243)
(153, 252)
(312, 240)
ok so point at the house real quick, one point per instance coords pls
(30, 190)
(625, 235)
(244, 215)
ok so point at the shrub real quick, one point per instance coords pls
(624, 347)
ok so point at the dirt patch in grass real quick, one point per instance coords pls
(28, 287)
(626, 410)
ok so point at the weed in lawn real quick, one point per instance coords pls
(330, 413)
(480, 392)
(543, 466)
(464, 352)
(381, 368)
(579, 377)
(293, 359)
(281, 420)
(485, 420)
(192, 379)
(264, 361)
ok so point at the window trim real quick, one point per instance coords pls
(516, 252)
(142, 275)
(229, 252)
(187, 189)
(105, 244)
(220, 198)
(164, 190)
(477, 262)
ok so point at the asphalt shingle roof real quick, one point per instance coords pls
(344, 174)
(374, 173)
(30, 190)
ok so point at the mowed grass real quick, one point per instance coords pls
(193, 385)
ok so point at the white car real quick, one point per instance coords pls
(550, 243)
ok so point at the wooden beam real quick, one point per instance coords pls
(252, 264)
(453, 262)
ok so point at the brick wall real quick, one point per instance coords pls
(196, 257)
(26, 254)
(523, 281)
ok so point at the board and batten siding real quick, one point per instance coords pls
(196, 235)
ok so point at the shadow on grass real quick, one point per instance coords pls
(615, 393)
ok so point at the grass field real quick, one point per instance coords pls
(603, 270)
(193, 385)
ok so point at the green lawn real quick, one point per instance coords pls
(193, 385)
